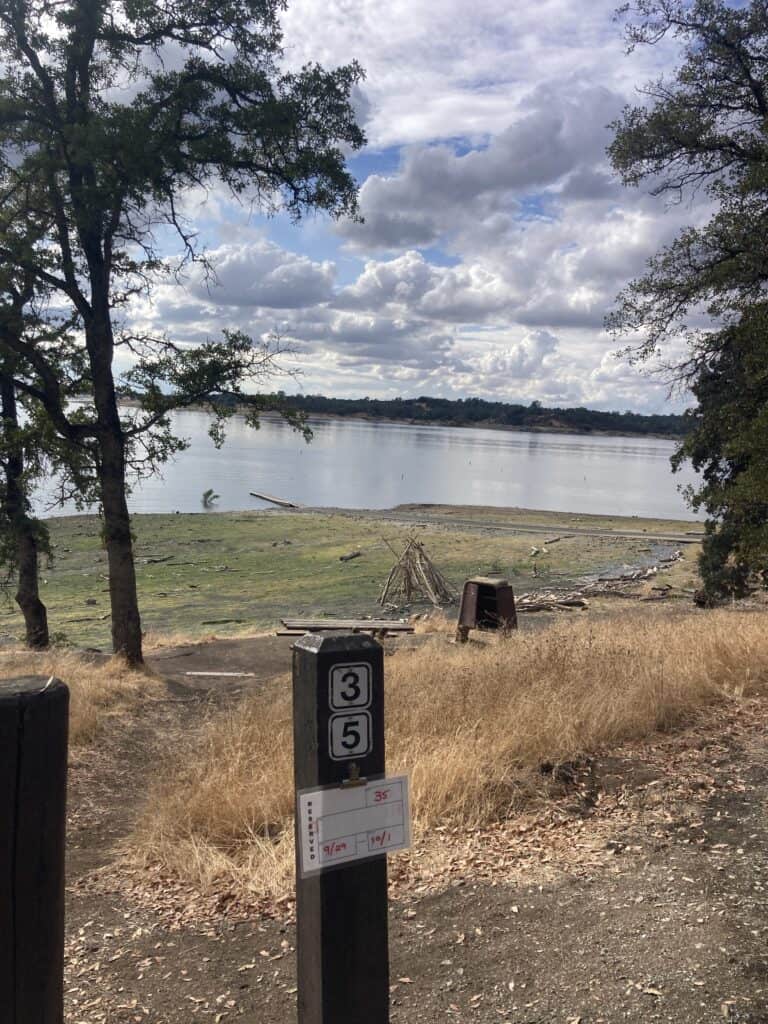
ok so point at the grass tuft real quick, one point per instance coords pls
(100, 688)
(471, 725)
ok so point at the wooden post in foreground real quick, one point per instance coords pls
(34, 718)
(342, 945)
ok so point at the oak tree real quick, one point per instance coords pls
(30, 447)
(703, 132)
(110, 110)
(23, 538)
(728, 446)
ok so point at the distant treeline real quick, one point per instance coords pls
(479, 412)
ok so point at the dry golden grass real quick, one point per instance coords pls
(154, 640)
(434, 622)
(99, 688)
(471, 725)
(224, 808)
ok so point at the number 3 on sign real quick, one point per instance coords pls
(350, 686)
(350, 735)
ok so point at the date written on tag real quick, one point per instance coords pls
(339, 826)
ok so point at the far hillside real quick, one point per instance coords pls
(477, 412)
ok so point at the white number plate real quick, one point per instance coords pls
(350, 687)
(349, 735)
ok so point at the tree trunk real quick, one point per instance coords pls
(126, 622)
(118, 540)
(27, 592)
(23, 529)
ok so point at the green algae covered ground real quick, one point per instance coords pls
(233, 572)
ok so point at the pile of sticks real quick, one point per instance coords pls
(414, 576)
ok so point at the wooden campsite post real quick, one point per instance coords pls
(342, 944)
(34, 718)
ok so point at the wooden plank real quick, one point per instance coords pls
(234, 675)
(393, 625)
(374, 632)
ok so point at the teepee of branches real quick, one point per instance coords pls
(415, 576)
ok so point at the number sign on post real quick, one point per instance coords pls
(348, 817)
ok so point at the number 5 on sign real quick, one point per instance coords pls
(350, 735)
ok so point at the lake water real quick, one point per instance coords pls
(358, 464)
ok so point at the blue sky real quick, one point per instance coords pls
(495, 236)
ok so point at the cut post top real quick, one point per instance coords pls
(336, 643)
(29, 686)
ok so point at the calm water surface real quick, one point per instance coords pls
(357, 464)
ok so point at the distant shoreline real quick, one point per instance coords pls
(274, 416)
(480, 414)
(555, 429)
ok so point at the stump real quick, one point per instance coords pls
(34, 718)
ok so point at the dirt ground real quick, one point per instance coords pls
(640, 895)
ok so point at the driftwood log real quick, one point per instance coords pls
(551, 603)
(350, 556)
